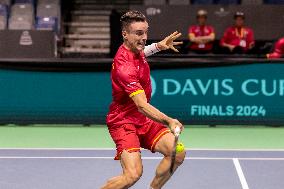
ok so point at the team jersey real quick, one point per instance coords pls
(278, 49)
(242, 37)
(130, 75)
(199, 31)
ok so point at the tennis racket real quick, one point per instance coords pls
(173, 156)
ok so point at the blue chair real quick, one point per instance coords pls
(3, 16)
(227, 2)
(3, 10)
(47, 23)
(202, 2)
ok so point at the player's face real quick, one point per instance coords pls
(136, 36)
(239, 22)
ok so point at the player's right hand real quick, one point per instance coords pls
(169, 42)
(173, 123)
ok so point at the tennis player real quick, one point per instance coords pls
(132, 121)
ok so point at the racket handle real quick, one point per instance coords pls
(177, 131)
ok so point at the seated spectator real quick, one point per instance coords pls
(201, 35)
(238, 38)
(278, 50)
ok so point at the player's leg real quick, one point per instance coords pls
(132, 170)
(164, 146)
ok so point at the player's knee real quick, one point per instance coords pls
(133, 175)
(180, 157)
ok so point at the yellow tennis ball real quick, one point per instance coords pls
(179, 147)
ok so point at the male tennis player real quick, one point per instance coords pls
(133, 123)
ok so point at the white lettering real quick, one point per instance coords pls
(176, 87)
(245, 87)
(189, 87)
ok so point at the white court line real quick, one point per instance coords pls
(145, 158)
(240, 174)
(110, 149)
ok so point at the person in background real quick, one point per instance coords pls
(238, 38)
(201, 35)
(278, 50)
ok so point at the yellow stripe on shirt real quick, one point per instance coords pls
(136, 93)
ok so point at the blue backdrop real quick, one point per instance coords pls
(240, 94)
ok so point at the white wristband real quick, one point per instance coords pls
(151, 49)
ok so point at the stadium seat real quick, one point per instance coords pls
(46, 23)
(252, 2)
(179, 2)
(5, 2)
(227, 2)
(154, 2)
(3, 16)
(3, 10)
(48, 10)
(22, 10)
(202, 2)
(277, 2)
(20, 23)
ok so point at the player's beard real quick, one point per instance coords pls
(140, 46)
(135, 47)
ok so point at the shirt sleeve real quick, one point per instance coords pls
(151, 49)
(127, 77)
(212, 30)
(225, 37)
(273, 55)
(191, 30)
(250, 37)
(279, 46)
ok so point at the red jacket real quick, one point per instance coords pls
(199, 31)
(243, 37)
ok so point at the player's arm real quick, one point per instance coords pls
(227, 45)
(195, 39)
(165, 44)
(192, 37)
(153, 113)
(231, 47)
(208, 38)
(225, 39)
(251, 41)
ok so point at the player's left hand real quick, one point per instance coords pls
(169, 42)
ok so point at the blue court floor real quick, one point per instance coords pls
(90, 168)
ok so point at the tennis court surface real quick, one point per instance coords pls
(89, 169)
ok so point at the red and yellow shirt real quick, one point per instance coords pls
(130, 76)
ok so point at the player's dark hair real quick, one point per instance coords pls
(130, 17)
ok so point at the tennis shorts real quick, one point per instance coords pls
(132, 137)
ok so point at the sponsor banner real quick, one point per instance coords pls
(239, 94)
